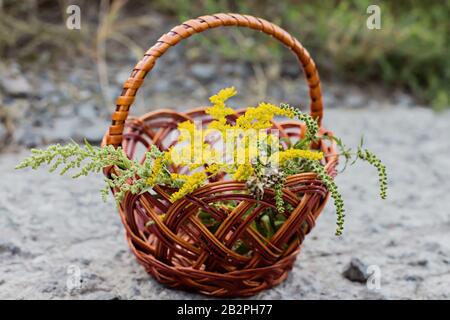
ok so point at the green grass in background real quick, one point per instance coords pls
(410, 51)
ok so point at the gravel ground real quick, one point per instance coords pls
(52, 226)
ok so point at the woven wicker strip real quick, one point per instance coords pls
(181, 251)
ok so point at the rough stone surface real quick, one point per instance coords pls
(53, 227)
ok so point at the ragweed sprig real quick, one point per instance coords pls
(279, 202)
(311, 124)
(299, 165)
(364, 155)
(319, 169)
(371, 158)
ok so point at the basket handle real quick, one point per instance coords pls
(190, 27)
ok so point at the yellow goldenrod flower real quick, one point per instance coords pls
(261, 116)
(177, 176)
(222, 96)
(210, 168)
(156, 170)
(289, 154)
(219, 110)
(213, 168)
(187, 130)
(192, 182)
(191, 154)
(180, 154)
(209, 154)
(194, 166)
(220, 126)
(243, 172)
(168, 156)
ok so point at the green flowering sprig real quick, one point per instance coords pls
(371, 158)
(306, 165)
(364, 155)
(279, 202)
(135, 178)
(311, 125)
(319, 169)
(130, 176)
(72, 155)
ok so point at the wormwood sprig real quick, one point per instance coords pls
(130, 176)
(139, 178)
(72, 155)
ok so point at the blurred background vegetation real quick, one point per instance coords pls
(411, 51)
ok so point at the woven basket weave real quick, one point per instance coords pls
(181, 251)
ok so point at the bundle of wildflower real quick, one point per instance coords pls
(246, 149)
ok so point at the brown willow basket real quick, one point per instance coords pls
(181, 252)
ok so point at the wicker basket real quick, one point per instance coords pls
(181, 252)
